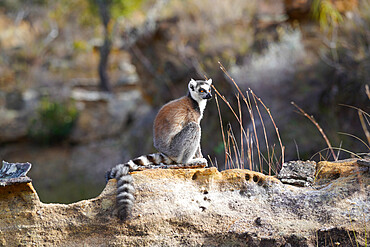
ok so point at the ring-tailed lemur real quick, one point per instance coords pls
(176, 136)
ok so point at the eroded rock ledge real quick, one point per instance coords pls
(200, 207)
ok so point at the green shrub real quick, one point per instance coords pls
(53, 121)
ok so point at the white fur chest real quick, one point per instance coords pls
(202, 105)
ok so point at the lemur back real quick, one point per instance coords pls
(176, 136)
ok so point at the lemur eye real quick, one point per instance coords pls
(201, 90)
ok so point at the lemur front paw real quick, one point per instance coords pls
(199, 161)
(203, 161)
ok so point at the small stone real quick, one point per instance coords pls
(299, 173)
(258, 221)
(14, 170)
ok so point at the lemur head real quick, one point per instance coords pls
(200, 90)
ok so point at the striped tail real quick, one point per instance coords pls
(125, 187)
(157, 160)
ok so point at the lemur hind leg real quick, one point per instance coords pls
(184, 146)
(198, 153)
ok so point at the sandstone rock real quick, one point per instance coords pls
(14, 170)
(194, 207)
(14, 173)
(15, 113)
(102, 115)
(327, 171)
(301, 173)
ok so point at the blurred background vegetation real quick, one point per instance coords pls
(81, 81)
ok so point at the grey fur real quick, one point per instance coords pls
(125, 189)
(183, 150)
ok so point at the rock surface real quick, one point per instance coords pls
(198, 207)
(102, 115)
(300, 173)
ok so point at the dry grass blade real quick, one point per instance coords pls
(235, 147)
(264, 130)
(249, 148)
(362, 111)
(231, 136)
(364, 127)
(350, 238)
(354, 232)
(296, 147)
(228, 75)
(238, 118)
(249, 106)
(210, 160)
(331, 240)
(226, 102)
(311, 118)
(363, 117)
(273, 122)
(271, 159)
(230, 164)
(365, 229)
(241, 133)
(341, 149)
(222, 128)
(249, 137)
(357, 138)
(367, 91)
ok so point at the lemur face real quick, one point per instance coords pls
(200, 89)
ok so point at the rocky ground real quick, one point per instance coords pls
(56, 58)
(98, 141)
(201, 207)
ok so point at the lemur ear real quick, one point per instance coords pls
(209, 81)
(192, 84)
